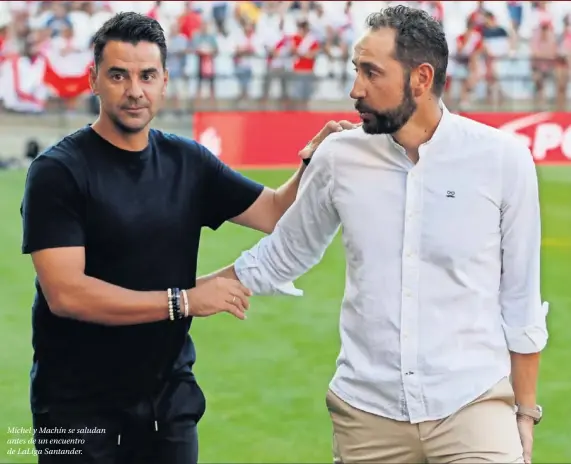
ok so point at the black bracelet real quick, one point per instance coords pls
(306, 161)
(175, 312)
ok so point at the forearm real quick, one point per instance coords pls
(286, 194)
(226, 273)
(92, 300)
(524, 373)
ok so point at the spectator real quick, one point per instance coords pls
(59, 19)
(245, 50)
(275, 42)
(190, 20)
(205, 46)
(515, 12)
(220, 15)
(469, 50)
(544, 52)
(496, 50)
(305, 47)
(179, 49)
(434, 9)
(478, 17)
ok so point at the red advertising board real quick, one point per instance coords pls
(273, 139)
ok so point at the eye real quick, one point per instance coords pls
(116, 77)
(147, 77)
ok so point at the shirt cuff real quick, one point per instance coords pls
(529, 339)
(249, 273)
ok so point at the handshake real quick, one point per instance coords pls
(222, 291)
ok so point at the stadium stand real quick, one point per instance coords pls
(239, 53)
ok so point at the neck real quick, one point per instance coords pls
(129, 142)
(420, 128)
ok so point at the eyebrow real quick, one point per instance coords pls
(368, 65)
(116, 69)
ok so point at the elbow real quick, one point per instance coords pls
(59, 306)
(526, 340)
(61, 302)
(530, 336)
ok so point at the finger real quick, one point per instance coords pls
(240, 300)
(238, 286)
(330, 127)
(345, 125)
(233, 309)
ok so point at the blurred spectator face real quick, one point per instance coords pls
(545, 28)
(382, 90)
(31, 48)
(303, 27)
(76, 6)
(490, 20)
(59, 10)
(249, 28)
(131, 83)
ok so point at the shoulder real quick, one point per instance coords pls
(487, 138)
(348, 148)
(62, 161)
(185, 146)
(336, 144)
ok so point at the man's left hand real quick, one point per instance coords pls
(328, 129)
(525, 426)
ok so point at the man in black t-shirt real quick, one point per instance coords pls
(112, 216)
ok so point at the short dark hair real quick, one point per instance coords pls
(132, 28)
(419, 39)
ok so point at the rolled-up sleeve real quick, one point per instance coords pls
(300, 237)
(524, 314)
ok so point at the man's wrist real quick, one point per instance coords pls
(524, 413)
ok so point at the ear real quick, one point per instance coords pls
(421, 79)
(93, 80)
(166, 81)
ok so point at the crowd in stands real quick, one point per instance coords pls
(289, 52)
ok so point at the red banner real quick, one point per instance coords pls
(273, 139)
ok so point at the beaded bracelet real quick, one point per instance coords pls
(175, 312)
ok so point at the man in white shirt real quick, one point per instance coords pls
(441, 229)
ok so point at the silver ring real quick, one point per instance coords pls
(234, 299)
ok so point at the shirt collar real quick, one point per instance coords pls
(440, 134)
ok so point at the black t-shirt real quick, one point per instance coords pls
(139, 217)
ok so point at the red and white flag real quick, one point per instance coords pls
(67, 75)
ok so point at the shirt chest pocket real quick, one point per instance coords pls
(459, 224)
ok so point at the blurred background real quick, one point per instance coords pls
(253, 81)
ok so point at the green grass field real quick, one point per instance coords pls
(265, 379)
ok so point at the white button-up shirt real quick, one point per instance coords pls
(443, 261)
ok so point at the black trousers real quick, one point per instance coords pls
(162, 429)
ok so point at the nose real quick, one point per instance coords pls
(134, 89)
(358, 90)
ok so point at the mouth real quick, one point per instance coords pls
(365, 116)
(134, 110)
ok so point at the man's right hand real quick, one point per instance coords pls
(219, 295)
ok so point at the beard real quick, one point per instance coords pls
(388, 121)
